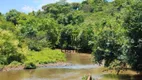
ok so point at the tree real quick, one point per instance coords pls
(75, 6)
(133, 24)
(9, 48)
(87, 8)
(111, 45)
(71, 18)
(85, 39)
(12, 16)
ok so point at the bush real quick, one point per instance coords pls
(34, 46)
(15, 63)
(15, 57)
(3, 60)
(84, 77)
(30, 65)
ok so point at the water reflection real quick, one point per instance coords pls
(79, 58)
(82, 65)
(122, 77)
(76, 66)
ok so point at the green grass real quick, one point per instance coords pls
(45, 56)
(15, 63)
(1, 66)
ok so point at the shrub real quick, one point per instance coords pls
(84, 77)
(3, 60)
(30, 65)
(35, 46)
(15, 57)
(15, 63)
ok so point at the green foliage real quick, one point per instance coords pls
(1, 67)
(3, 60)
(12, 16)
(34, 45)
(45, 56)
(15, 57)
(110, 30)
(15, 63)
(74, 37)
(132, 23)
(110, 43)
(75, 6)
(87, 8)
(30, 65)
(118, 40)
(71, 18)
(9, 48)
(84, 77)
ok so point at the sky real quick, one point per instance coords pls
(26, 5)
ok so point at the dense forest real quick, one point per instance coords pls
(111, 31)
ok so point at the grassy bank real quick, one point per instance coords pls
(34, 58)
(45, 56)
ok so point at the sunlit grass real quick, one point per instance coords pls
(45, 56)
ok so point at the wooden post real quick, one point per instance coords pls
(89, 77)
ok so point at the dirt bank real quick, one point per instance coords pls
(21, 67)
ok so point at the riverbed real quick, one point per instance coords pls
(81, 65)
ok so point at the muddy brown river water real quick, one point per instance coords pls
(82, 65)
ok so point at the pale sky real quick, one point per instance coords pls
(26, 5)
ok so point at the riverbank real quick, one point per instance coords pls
(34, 59)
(21, 67)
(74, 68)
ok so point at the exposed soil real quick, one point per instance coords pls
(21, 67)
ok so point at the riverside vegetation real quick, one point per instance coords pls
(110, 30)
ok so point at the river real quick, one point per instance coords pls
(82, 65)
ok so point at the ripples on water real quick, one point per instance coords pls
(82, 65)
(75, 67)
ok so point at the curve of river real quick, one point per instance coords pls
(82, 65)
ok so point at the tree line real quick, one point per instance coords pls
(110, 30)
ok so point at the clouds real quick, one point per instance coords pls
(27, 8)
(110, 0)
(37, 4)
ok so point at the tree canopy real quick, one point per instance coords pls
(110, 30)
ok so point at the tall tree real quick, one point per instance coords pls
(133, 25)
(12, 16)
